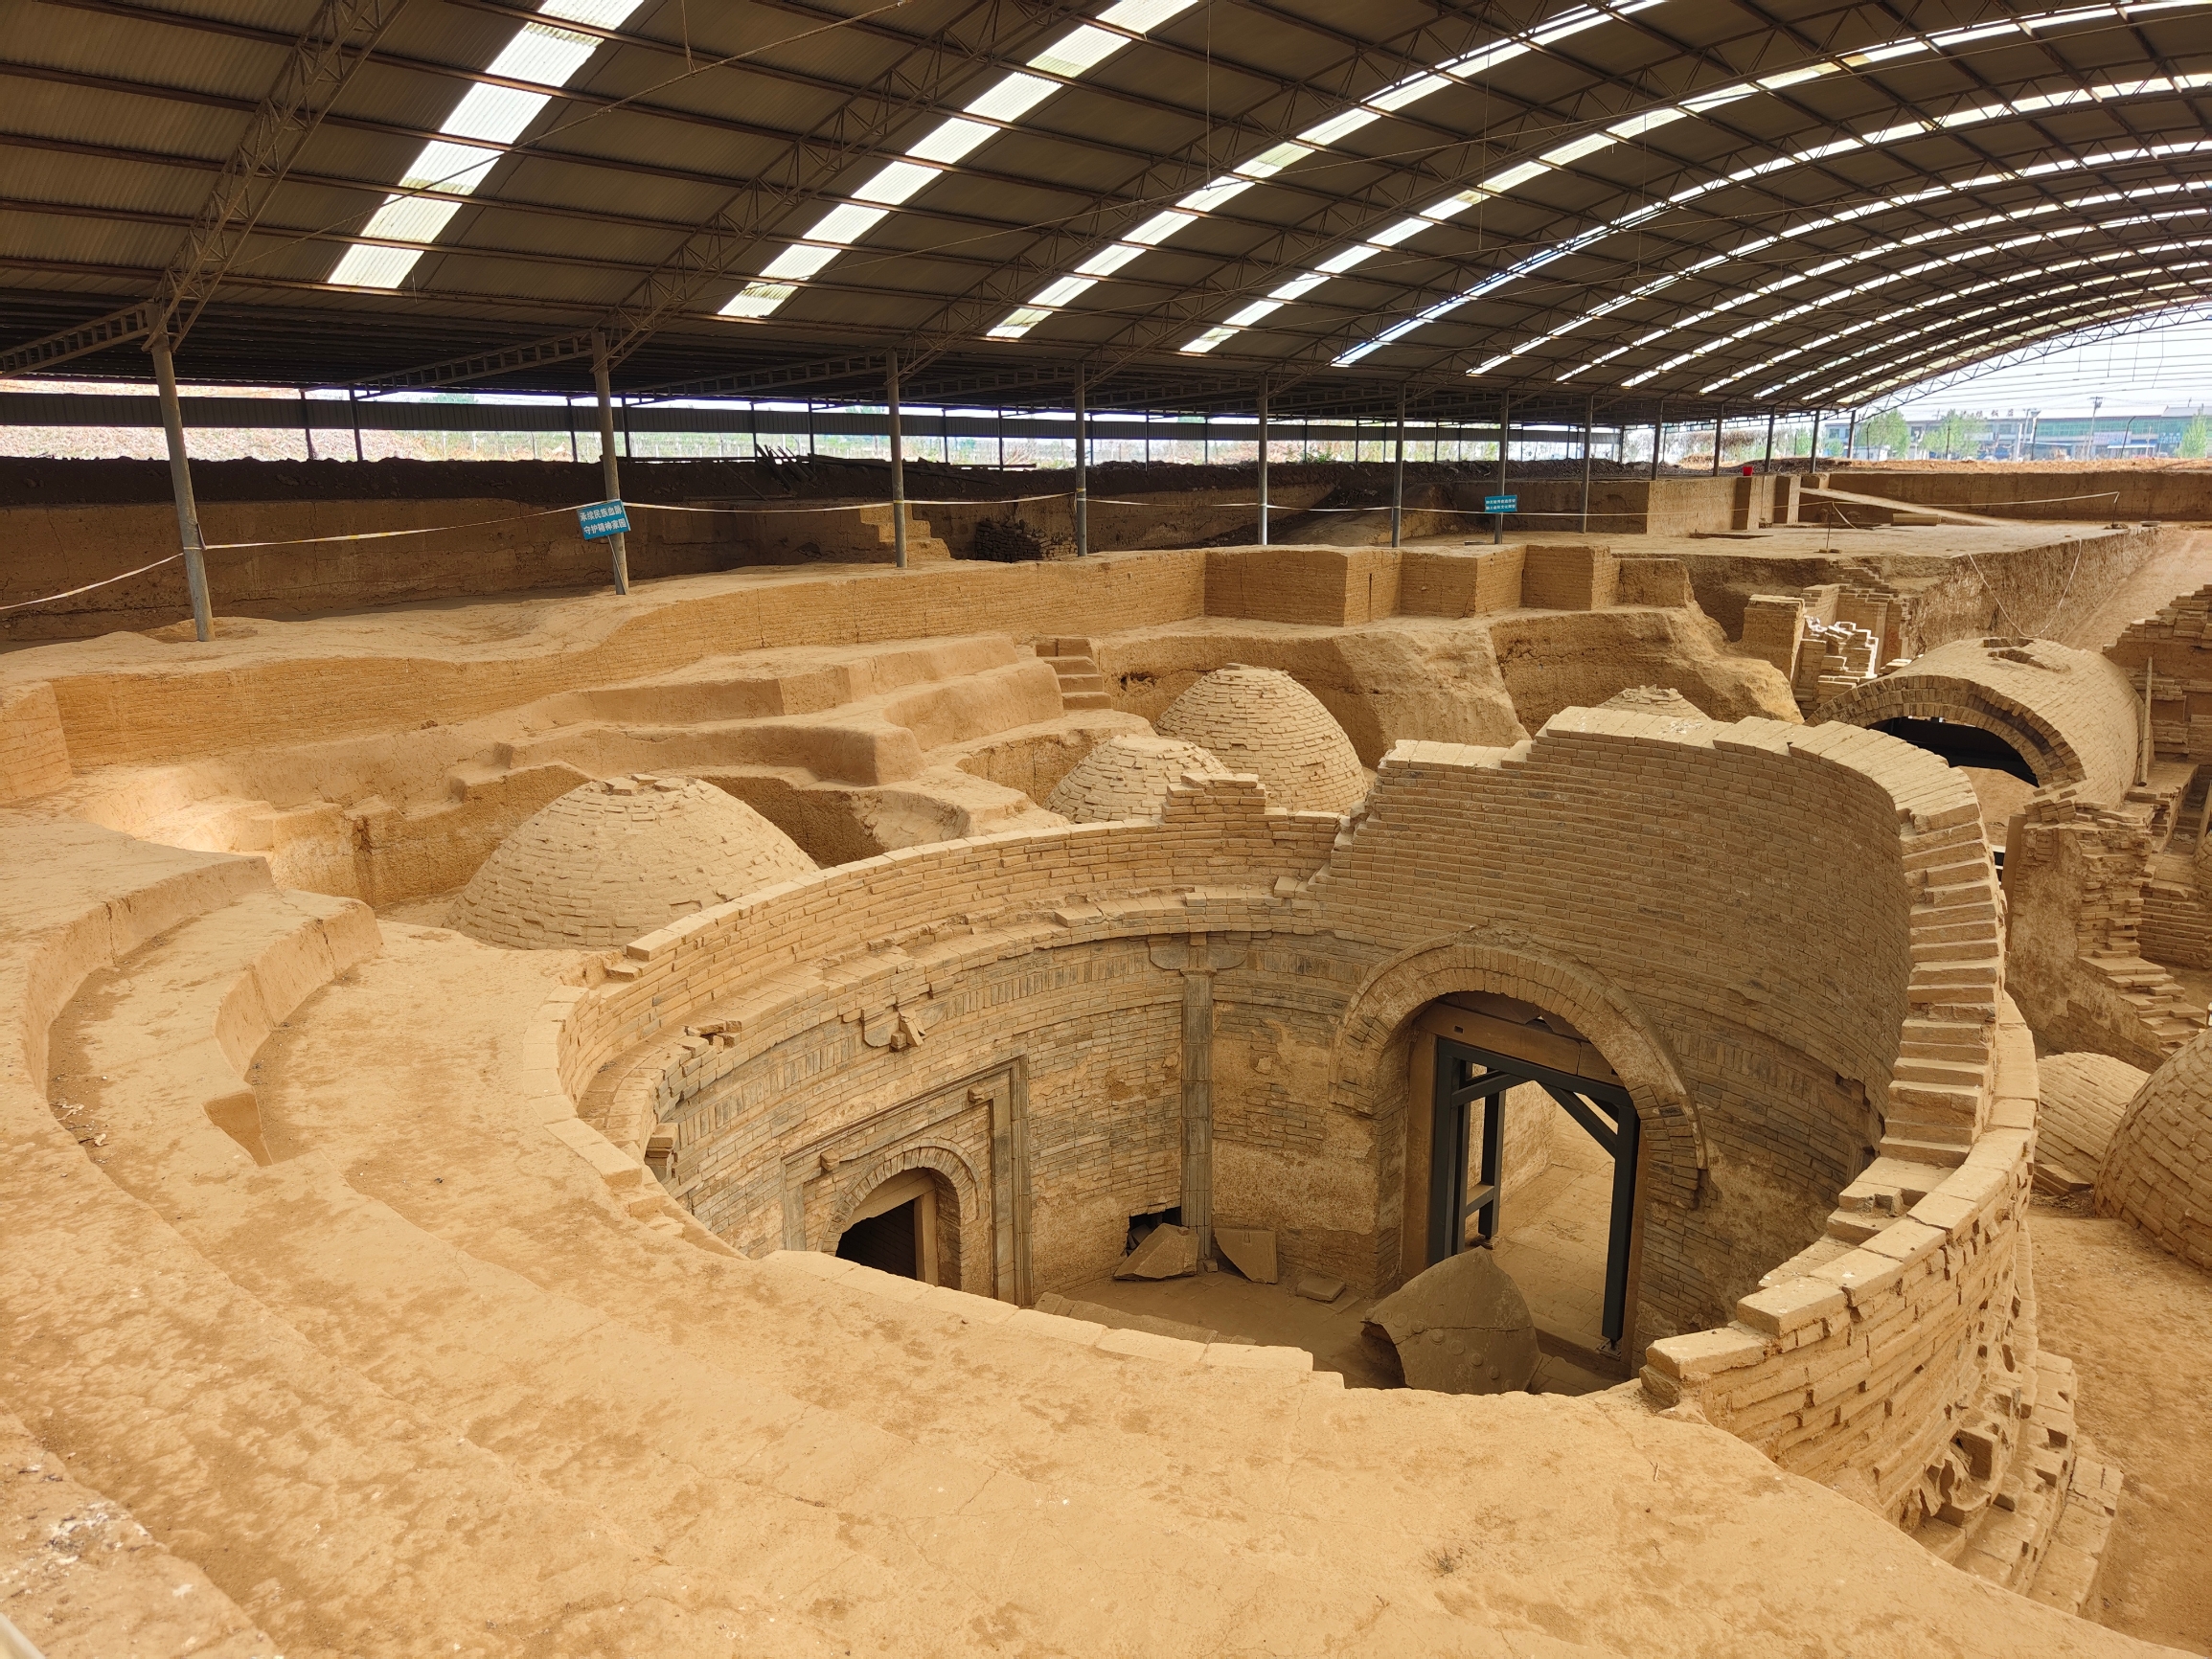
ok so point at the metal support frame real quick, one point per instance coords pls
(323, 59)
(353, 414)
(180, 482)
(306, 426)
(609, 470)
(898, 464)
(1718, 421)
(1081, 470)
(1658, 443)
(1459, 1085)
(1851, 437)
(1263, 456)
(1397, 478)
(1769, 463)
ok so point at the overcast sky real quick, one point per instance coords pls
(2136, 375)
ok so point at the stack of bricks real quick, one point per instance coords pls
(2158, 1172)
(33, 752)
(2076, 878)
(2177, 647)
(1834, 659)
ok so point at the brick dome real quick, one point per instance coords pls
(2084, 1098)
(1261, 721)
(617, 858)
(2158, 1170)
(1127, 776)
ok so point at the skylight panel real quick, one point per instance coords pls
(496, 115)
(1001, 104)
(1324, 133)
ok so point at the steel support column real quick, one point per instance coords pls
(1718, 421)
(1851, 437)
(610, 471)
(1589, 420)
(1769, 461)
(1081, 470)
(1504, 432)
(897, 463)
(1263, 457)
(1397, 478)
(1659, 443)
(180, 482)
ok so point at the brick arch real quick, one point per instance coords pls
(947, 1161)
(975, 1242)
(1507, 964)
(2071, 715)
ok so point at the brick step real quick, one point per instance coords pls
(1923, 1152)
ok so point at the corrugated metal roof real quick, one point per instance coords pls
(697, 142)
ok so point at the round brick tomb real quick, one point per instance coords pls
(2158, 1170)
(1128, 776)
(1263, 722)
(619, 857)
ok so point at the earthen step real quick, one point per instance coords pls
(1083, 682)
(1086, 700)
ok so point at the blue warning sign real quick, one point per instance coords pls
(1489, 504)
(603, 518)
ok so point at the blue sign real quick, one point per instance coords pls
(1489, 504)
(603, 518)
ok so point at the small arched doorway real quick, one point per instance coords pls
(910, 1226)
(1522, 1140)
(1976, 748)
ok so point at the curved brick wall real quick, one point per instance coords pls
(1057, 967)
(2071, 715)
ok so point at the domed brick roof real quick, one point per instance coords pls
(617, 858)
(2084, 1098)
(2158, 1170)
(1127, 776)
(1263, 722)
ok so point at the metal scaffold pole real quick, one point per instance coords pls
(898, 464)
(180, 481)
(1658, 437)
(617, 545)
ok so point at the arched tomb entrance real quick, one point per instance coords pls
(1520, 1138)
(908, 1225)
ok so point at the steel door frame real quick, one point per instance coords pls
(1465, 1074)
